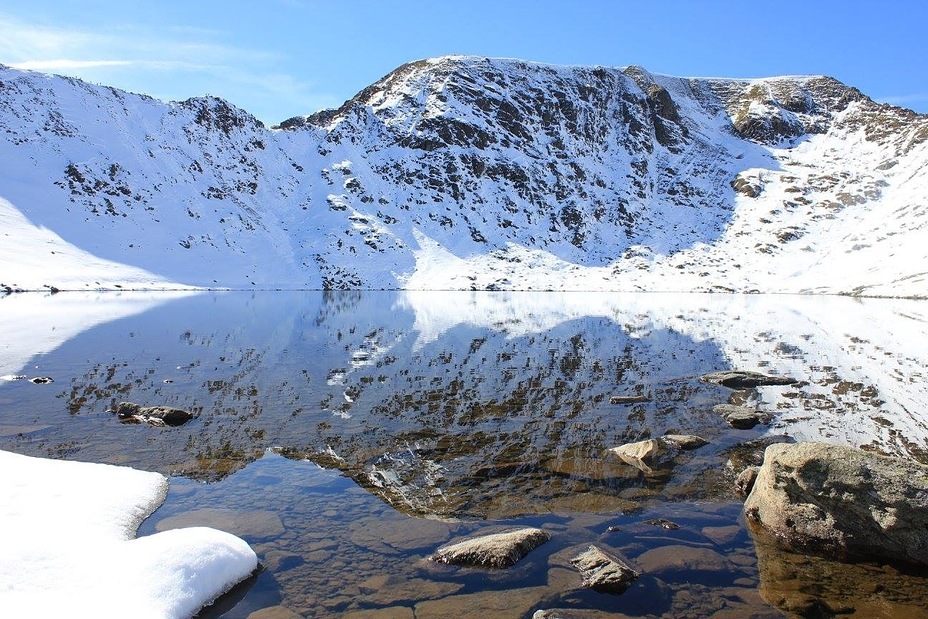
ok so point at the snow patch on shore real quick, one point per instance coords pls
(67, 529)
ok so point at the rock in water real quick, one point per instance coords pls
(646, 454)
(737, 379)
(128, 412)
(495, 550)
(741, 417)
(602, 572)
(744, 482)
(842, 502)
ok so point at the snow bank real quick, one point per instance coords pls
(67, 531)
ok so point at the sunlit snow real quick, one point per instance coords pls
(67, 530)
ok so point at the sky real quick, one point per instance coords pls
(283, 58)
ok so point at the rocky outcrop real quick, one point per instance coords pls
(738, 379)
(741, 417)
(603, 572)
(842, 502)
(496, 550)
(128, 412)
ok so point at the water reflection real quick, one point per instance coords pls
(485, 404)
(464, 406)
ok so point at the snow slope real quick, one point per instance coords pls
(67, 531)
(470, 173)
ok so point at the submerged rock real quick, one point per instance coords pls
(738, 379)
(803, 586)
(662, 523)
(496, 550)
(842, 502)
(741, 417)
(603, 572)
(127, 412)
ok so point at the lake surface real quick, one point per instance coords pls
(347, 435)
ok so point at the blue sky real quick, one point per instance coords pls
(281, 58)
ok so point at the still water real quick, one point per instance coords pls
(347, 435)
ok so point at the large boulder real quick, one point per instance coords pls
(842, 502)
(495, 550)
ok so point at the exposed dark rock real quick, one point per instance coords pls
(750, 188)
(741, 417)
(738, 379)
(629, 399)
(603, 572)
(42, 380)
(842, 502)
(127, 412)
(496, 550)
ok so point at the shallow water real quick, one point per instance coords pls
(348, 435)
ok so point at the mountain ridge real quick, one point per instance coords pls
(471, 173)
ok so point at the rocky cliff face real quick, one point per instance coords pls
(473, 173)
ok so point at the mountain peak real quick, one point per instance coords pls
(475, 173)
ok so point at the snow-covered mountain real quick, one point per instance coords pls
(470, 173)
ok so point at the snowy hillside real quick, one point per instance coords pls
(469, 173)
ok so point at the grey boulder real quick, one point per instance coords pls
(842, 502)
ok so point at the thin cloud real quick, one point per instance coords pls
(65, 64)
(171, 63)
(914, 101)
(903, 99)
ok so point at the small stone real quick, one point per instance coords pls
(745, 480)
(602, 572)
(496, 550)
(41, 380)
(686, 442)
(662, 523)
(646, 454)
